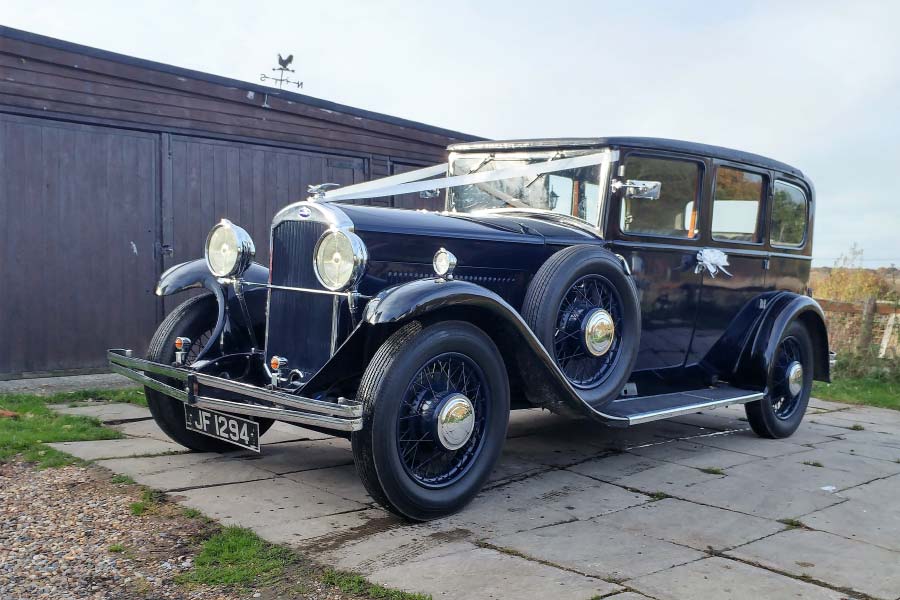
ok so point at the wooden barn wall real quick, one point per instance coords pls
(103, 163)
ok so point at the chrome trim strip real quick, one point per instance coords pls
(149, 382)
(326, 213)
(139, 364)
(656, 415)
(344, 294)
(280, 414)
(353, 409)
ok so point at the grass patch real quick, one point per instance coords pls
(857, 427)
(867, 391)
(192, 513)
(713, 470)
(792, 523)
(133, 395)
(357, 585)
(237, 556)
(117, 548)
(659, 495)
(35, 425)
(149, 499)
(812, 463)
(122, 479)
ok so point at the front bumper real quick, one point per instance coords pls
(243, 399)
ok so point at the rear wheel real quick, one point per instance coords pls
(194, 319)
(779, 414)
(435, 411)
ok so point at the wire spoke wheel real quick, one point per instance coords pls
(448, 378)
(787, 378)
(587, 297)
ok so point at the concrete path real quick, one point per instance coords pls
(695, 507)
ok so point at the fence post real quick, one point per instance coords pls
(866, 325)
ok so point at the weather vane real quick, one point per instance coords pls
(283, 69)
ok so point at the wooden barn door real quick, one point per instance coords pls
(206, 180)
(78, 226)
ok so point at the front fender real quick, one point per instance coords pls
(434, 300)
(239, 325)
(780, 312)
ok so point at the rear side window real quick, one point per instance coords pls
(736, 206)
(790, 215)
(674, 213)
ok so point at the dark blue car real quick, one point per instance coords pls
(622, 279)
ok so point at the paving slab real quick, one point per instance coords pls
(860, 520)
(713, 420)
(750, 443)
(271, 502)
(884, 491)
(365, 552)
(828, 404)
(692, 454)
(285, 432)
(106, 412)
(828, 558)
(723, 579)
(46, 386)
(670, 478)
(289, 457)
(832, 458)
(758, 497)
(342, 481)
(183, 471)
(146, 428)
(614, 467)
(869, 414)
(318, 535)
(866, 447)
(550, 450)
(700, 527)
(548, 498)
(125, 447)
(598, 548)
(839, 420)
(533, 420)
(783, 472)
(485, 573)
(627, 596)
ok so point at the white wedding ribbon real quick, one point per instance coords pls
(408, 183)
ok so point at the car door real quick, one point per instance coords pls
(735, 227)
(659, 239)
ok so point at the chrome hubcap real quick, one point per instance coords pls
(455, 422)
(599, 332)
(795, 378)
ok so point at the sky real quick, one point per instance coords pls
(813, 84)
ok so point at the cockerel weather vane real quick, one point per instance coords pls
(283, 69)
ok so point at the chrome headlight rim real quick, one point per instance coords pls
(360, 259)
(246, 250)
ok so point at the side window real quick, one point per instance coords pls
(736, 205)
(790, 215)
(674, 213)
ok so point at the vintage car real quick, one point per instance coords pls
(620, 279)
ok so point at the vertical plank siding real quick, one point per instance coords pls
(104, 158)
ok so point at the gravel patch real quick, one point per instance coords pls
(57, 527)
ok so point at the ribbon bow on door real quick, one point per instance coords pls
(713, 261)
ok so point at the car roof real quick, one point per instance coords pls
(636, 142)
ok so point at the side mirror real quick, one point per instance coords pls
(642, 190)
(638, 189)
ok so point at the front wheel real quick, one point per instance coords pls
(779, 414)
(435, 411)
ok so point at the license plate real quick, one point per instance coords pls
(238, 431)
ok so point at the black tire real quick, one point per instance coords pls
(193, 318)
(771, 417)
(387, 391)
(544, 310)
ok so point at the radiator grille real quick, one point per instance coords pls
(300, 324)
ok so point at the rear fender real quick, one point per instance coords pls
(234, 326)
(781, 310)
(433, 300)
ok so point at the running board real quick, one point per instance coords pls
(643, 409)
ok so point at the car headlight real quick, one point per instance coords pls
(340, 259)
(229, 250)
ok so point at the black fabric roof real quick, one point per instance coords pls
(635, 142)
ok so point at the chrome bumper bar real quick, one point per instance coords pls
(345, 415)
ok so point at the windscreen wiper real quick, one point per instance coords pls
(539, 175)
